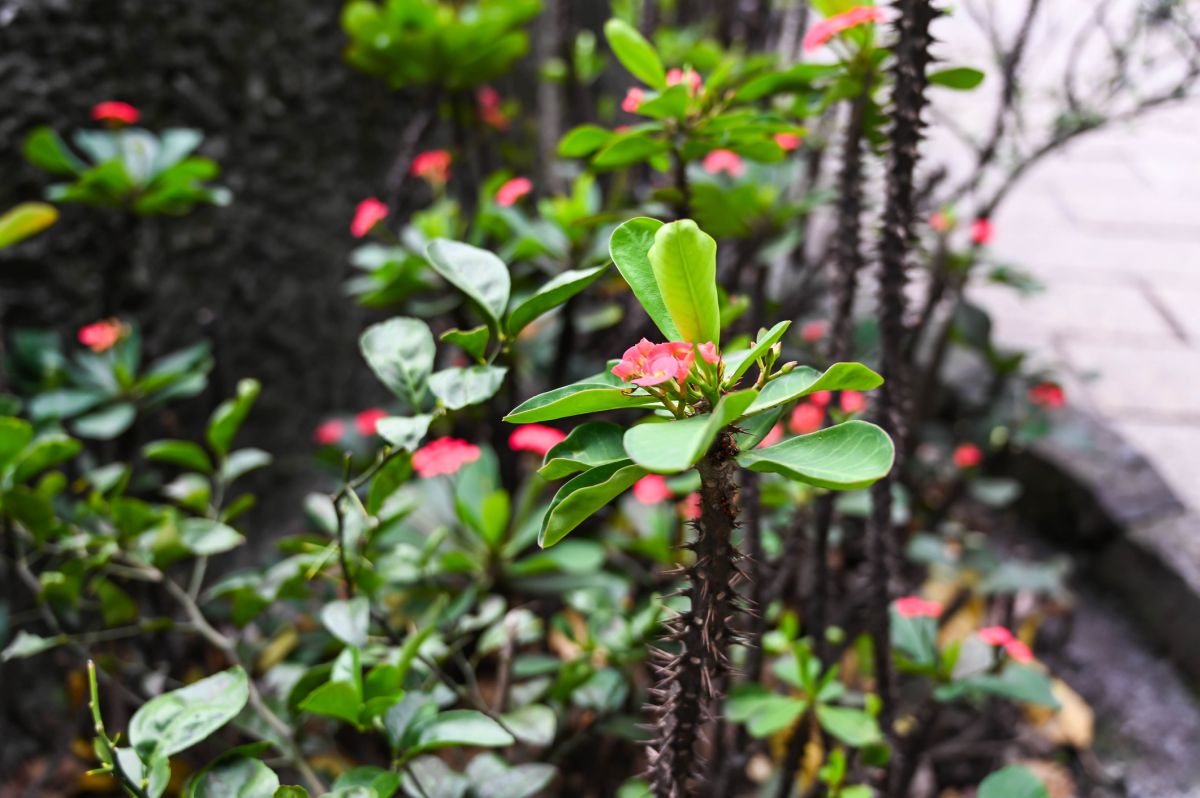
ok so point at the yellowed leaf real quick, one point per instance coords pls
(1072, 724)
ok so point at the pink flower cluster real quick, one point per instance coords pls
(676, 76)
(536, 438)
(444, 456)
(101, 336)
(726, 161)
(115, 112)
(512, 190)
(981, 231)
(917, 607)
(648, 364)
(369, 213)
(332, 430)
(826, 29)
(1047, 394)
(968, 455)
(633, 100)
(432, 166)
(1002, 638)
(808, 416)
(787, 141)
(490, 112)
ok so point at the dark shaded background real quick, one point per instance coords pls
(300, 138)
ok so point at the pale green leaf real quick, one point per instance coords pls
(843, 457)
(684, 260)
(673, 446)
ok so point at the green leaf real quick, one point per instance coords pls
(106, 423)
(763, 711)
(473, 341)
(15, 435)
(46, 451)
(738, 363)
(635, 53)
(1016, 682)
(532, 724)
(1013, 781)
(576, 399)
(584, 495)
(177, 720)
(206, 537)
(457, 388)
(379, 782)
(404, 432)
(479, 274)
(462, 727)
(674, 446)
(684, 260)
(589, 445)
(45, 150)
(229, 415)
(583, 141)
(291, 791)
(400, 351)
(25, 220)
(629, 148)
(629, 248)
(348, 620)
(852, 726)
(181, 453)
(805, 380)
(340, 697)
(491, 777)
(844, 457)
(556, 291)
(25, 644)
(241, 777)
(242, 462)
(960, 78)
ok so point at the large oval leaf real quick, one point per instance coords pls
(635, 53)
(241, 777)
(584, 495)
(181, 718)
(684, 260)
(674, 446)
(400, 351)
(574, 400)
(457, 388)
(587, 446)
(843, 457)
(479, 274)
(806, 380)
(629, 246)
(556, 291)
(461, 727)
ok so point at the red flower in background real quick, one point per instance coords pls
(536, 438)
(773, 437)
(1019, 651)
(101, 336)
(443, 456)
(726, 161)
(807, 417)
(917, 607)
(432, 166)
(490, 111)
(329, 432)
(941, 221)
(677, 75)
(1001, 637)
(814, 331)
(648, 364)
(651, 489)
(820, 398)
(788, 141)
(366, 421)
(1047, 394)
(115, 111)
(981, 231)
(369, 213)
(826, 29)
(968, 455)
(852, 401)
(689, 508)
(508, 194)
(633, 100)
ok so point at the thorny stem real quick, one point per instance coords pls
(913, 18)
(688, 679)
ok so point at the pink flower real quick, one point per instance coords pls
(995, 635)
(941, 222)
(813, 331)
(633, 100)
(116, 112)
(917, 607)
(329, 432)
(852, 401)
(787, 141)
(366, 421)
(826, 29)
(488, 100)
(1018, 651)
(820, 398)
(651, 489)
(369, 213)
(726, 161)
(536, 438)
(1047, 394)
(432, 166)
(968, 455)
(773, 437)
(443, 456)
(708, 352)
(807, 417)
(676, 76)
(647, 364)
(101, 336)
(981, 231)
(508, 194)
(689, 508)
